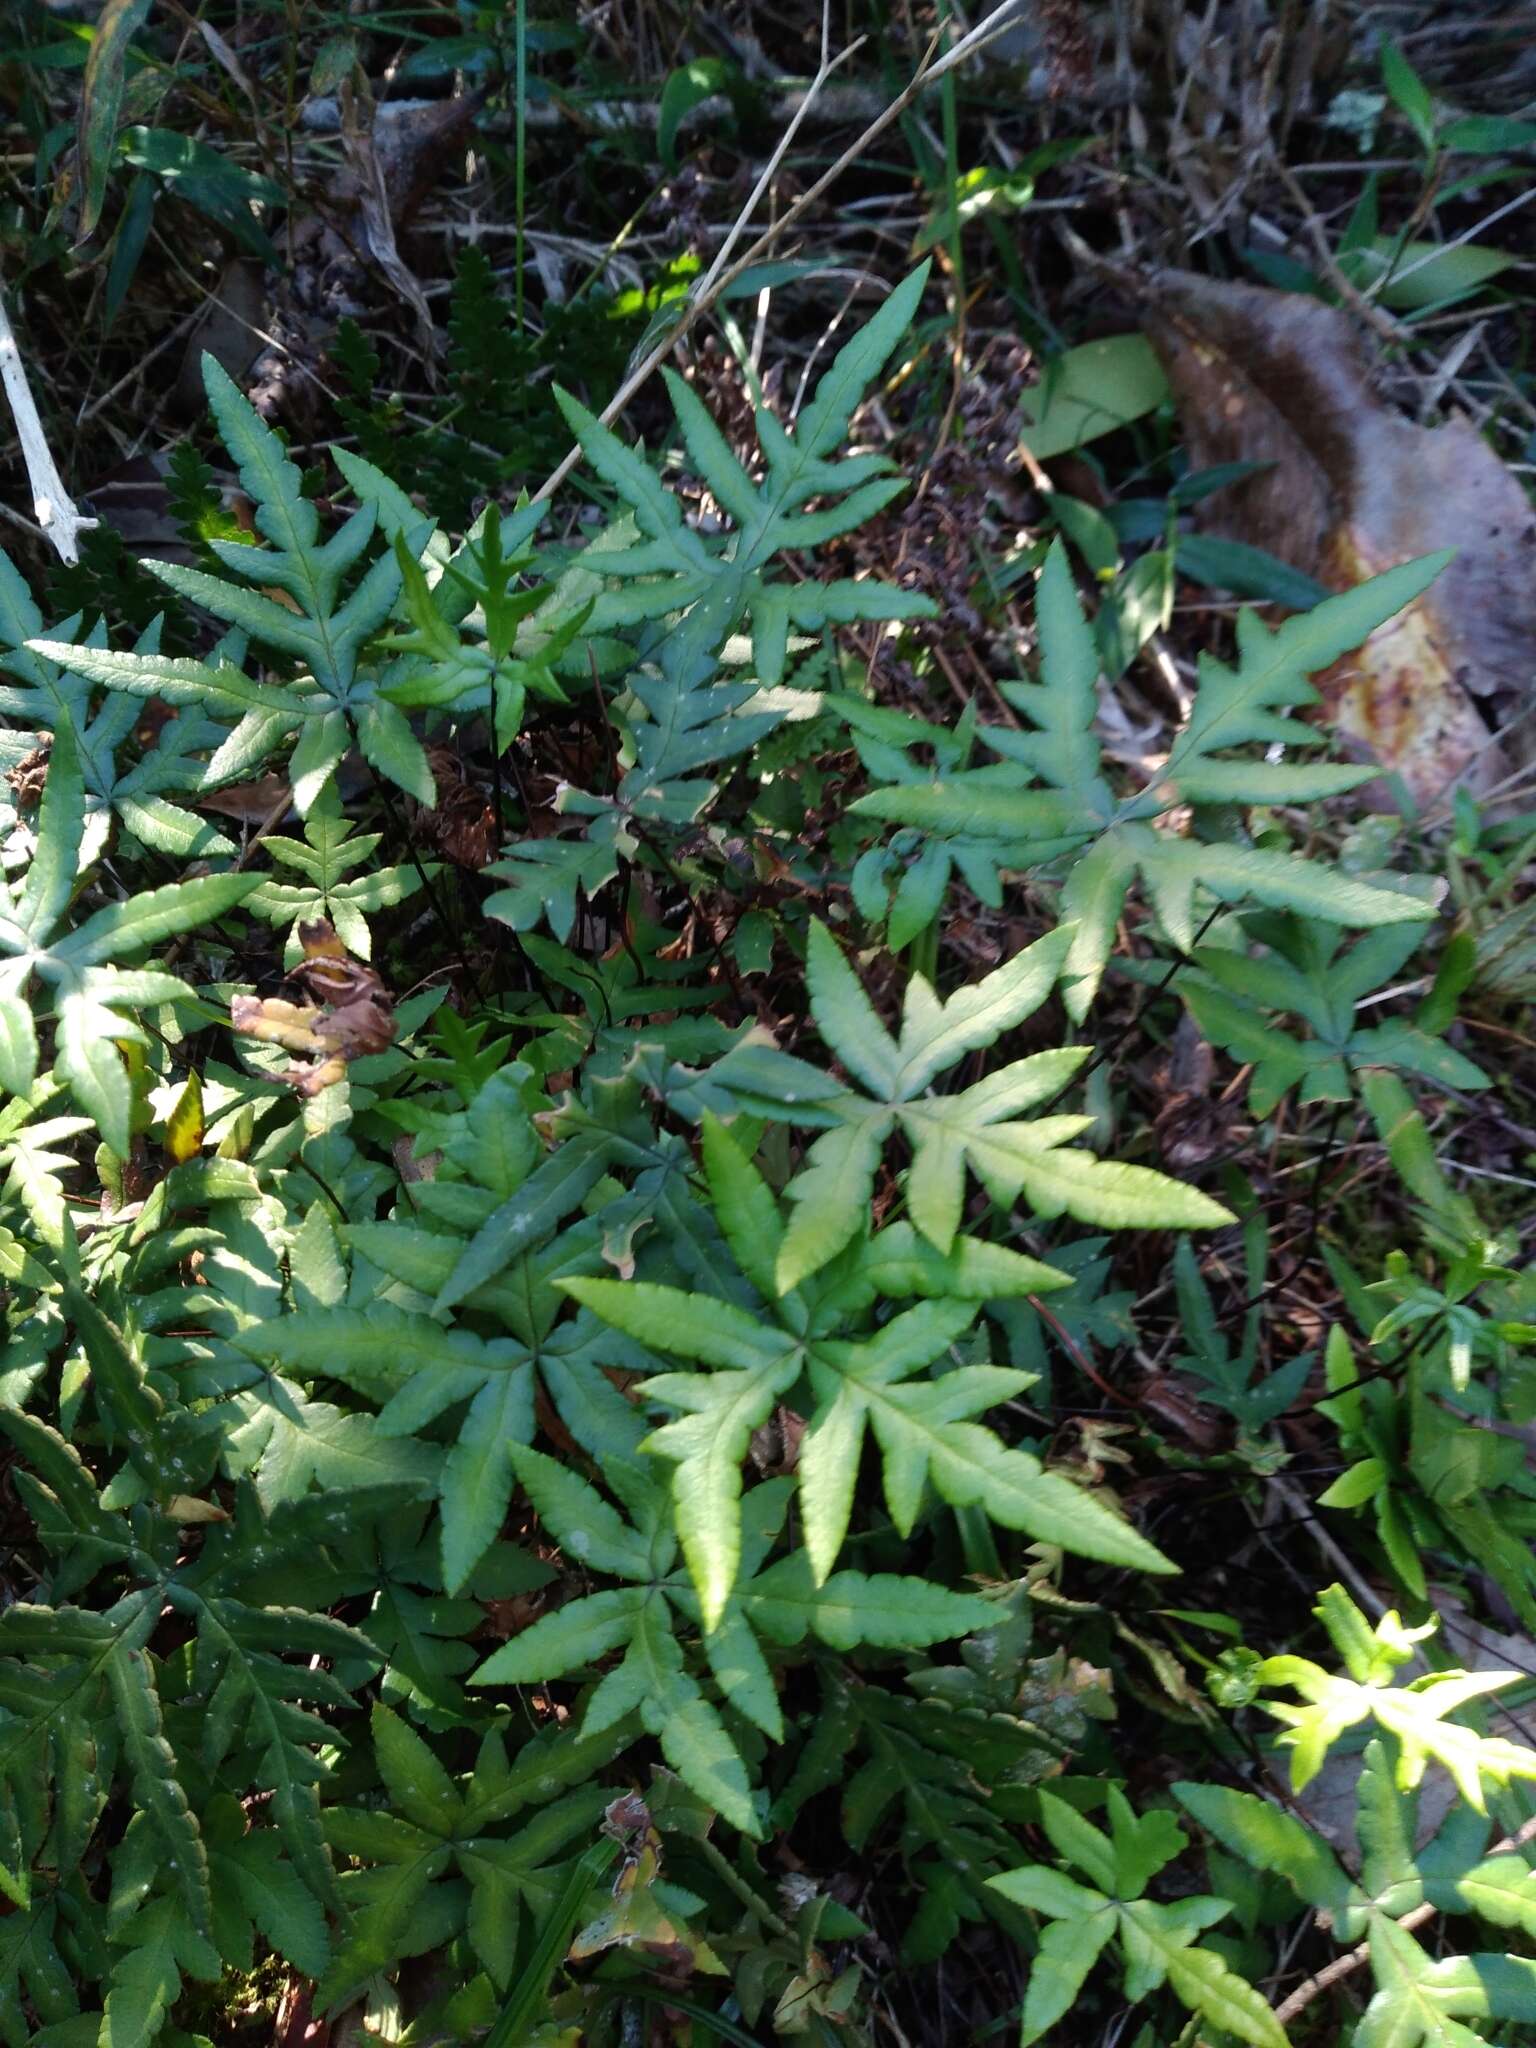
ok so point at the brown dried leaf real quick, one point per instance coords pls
(348, 1015)
(29, 778)
(462, 824)
(636, 1919)
(1277, 377)
(416, 143)
(1181, 1411)
(507, 1618)
(251, 802)
(373, 206)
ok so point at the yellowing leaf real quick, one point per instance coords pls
(184, 1125)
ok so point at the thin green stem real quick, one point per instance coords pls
(731, 1877)
(521, 34)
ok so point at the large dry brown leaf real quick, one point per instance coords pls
(1276, 377)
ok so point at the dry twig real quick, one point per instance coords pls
(53, 508)
(722, 271)
(1346, 1965)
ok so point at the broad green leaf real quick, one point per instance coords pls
(101, 96)
(1270, 1839)
(157, 1786)
(845, 1016)
(1421, 274)
(1408, 92)
(1078, 1841)
(581, 1633)
(1208, 1986)
(1090, 391)
(50, 879)
(418, 1786)
(1068, 1951)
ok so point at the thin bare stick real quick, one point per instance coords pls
(1359, 303)
(722, 272)
(1300, 1509)
(1346, 1965)
(1439, 249)
(52, 506)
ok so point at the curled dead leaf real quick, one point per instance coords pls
(1353, 488)
(187, 1510)
(29, 777)
(637, 1918)
(348, 1015)
(462, 825)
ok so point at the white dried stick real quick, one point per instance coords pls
(52, 506)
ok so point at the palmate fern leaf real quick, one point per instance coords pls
(64, 1668)
(1157, 1942)
(653, 1680)
(394, 1353)
(1420, 2002)
(1304, 972)
(691, 719)
(434, 1822)
(90, 993)
(321, 624)
(42, 696)
(545, 878)
(672, 567)
(325, 887)
(489, 1379)
(1062, 806)
(755, 1357)
(977, 1130)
